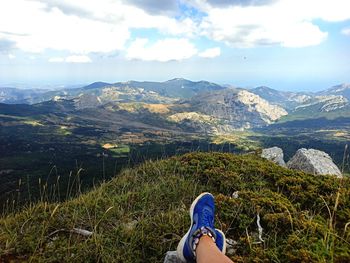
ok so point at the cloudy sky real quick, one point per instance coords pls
(285, 44)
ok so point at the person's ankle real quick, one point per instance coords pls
(205, 242)
(201, 233)
(206, 239)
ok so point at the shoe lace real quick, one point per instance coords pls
(207, 217)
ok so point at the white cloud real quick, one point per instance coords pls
(346, 31)
(210, 53)
(71, 59)
(11, 56)
(78, 59)
(86, 26)
(80, 26)
(156, 6)
(288, 23)
(56, 60)
(37, 29)
(162, 50)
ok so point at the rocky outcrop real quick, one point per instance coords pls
(192, 116)
(342, 89)
(203, 123)
(314, 162)
(287, 100)
(237, 108)
(84, 101)
(268, 112)
(171, 257)
(324, 103)
(274, 154)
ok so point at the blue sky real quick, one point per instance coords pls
(284, 44)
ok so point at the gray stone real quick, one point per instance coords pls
(275, 155)
(314, 162)
(171, 257)
(230, 247)
(235, 194)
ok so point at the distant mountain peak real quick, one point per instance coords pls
(264, 88)
(341, 89)
(177, 79)
(97, 85)
(267, 90)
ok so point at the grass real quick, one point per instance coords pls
(143, 212)
(239, 138)
(122, 150)
(64, 130)
(314, 114)
(32, 122)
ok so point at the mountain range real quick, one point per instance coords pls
(202, 105)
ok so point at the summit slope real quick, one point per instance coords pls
(143, 212)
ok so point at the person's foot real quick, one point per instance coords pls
(202, 214)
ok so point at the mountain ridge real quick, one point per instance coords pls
(210, 107)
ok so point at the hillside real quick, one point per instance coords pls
(339, 90)
(14, 95)
(142, 213)
(196, 105)
(286, 99)
(235, 109)
(177, 88)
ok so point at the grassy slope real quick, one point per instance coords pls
(143, 212)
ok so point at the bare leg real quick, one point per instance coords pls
(208, 252)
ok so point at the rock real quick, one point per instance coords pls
(314, 162)
(171, 257)
(274, 154)
(230, 247)
(235, 194)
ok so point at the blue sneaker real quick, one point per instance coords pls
(202, 213)
(220, 241)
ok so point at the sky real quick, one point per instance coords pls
(301, 45)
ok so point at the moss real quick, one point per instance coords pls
(143, 212)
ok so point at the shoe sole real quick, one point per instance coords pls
(181, 245)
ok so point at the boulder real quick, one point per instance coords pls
(314, 162)
(275, 155)
(171, 257)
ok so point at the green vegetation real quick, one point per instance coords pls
(122, 150)
(242, 140)
(143, 212)
(306, 115)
